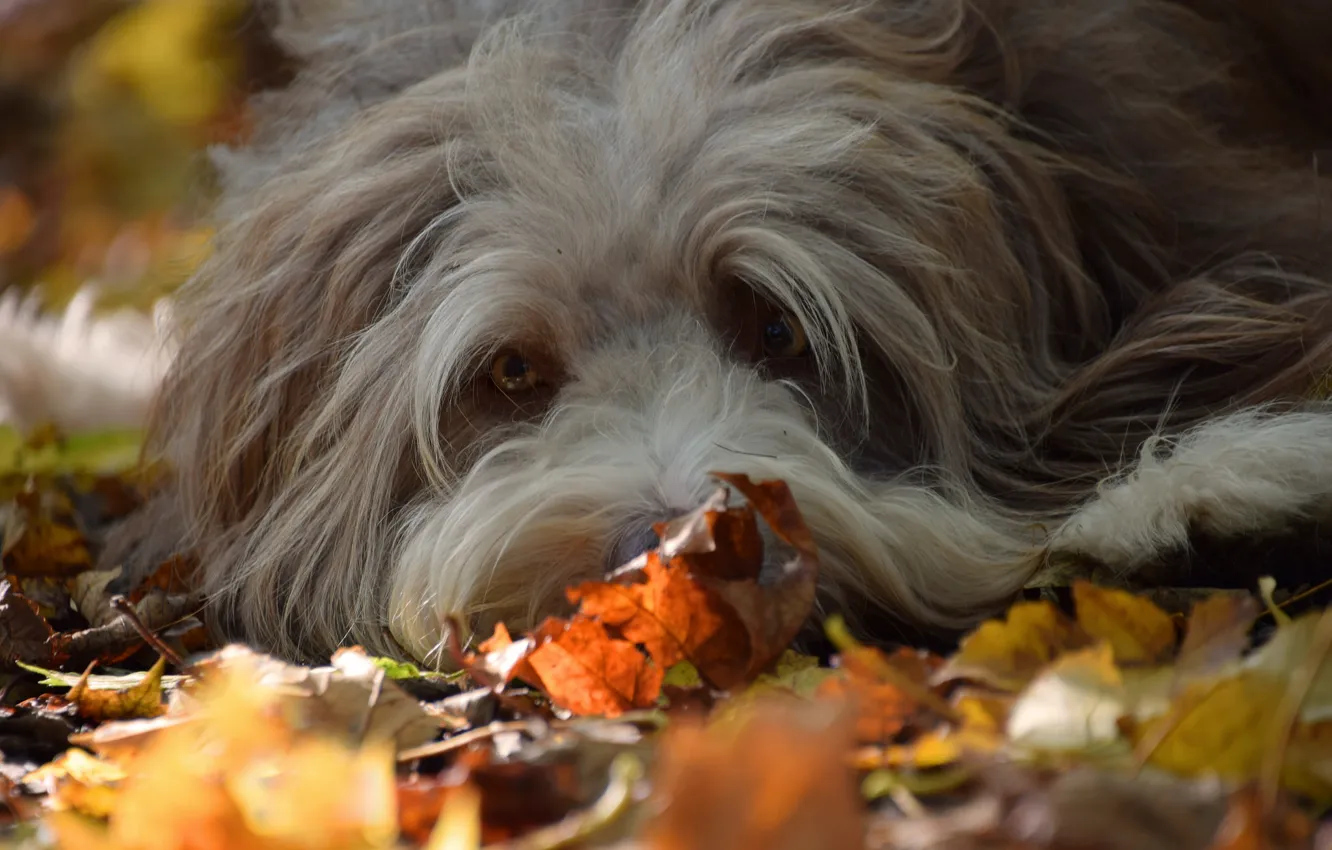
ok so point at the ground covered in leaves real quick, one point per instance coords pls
(668, 712)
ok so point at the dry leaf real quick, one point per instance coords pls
(1135, 629)
(24, 635)
(675, 618)
(772, 780)
(589, 672)
(143, 700)
(1216, 633)
(1009, 653)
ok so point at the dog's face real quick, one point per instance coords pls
(474, 347)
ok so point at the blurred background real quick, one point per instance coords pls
(107, 108)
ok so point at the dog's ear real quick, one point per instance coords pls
(248, 413)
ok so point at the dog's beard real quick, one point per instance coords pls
(632, 441)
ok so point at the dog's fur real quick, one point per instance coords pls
(1030, 242)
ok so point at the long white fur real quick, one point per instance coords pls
(1252, 472)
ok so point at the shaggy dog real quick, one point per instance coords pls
(992, 284)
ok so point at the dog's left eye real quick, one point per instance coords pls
(512, 373)
(784, 336)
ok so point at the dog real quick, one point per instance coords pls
(994, 285)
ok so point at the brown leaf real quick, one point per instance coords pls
(587, 671)
(24, 635)
(1217, 632)
(37, 542)
(174, 576)
(776, 779)
(772, 612)
(721, 542)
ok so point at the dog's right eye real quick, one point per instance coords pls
(512, 373)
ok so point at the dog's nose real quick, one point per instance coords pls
(634, 542)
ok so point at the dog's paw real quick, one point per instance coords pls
(1252, 473)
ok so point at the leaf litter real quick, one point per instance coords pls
(673, 710)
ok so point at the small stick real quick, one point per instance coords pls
(457, 742)
(126, 609)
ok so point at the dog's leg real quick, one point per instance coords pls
(1251, 473)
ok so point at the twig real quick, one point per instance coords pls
(457, 742)
(1288, 712)
(128, 611)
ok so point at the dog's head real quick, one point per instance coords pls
(469, 346)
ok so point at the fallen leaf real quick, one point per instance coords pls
(774, 779)
(459, 823)
(587, 671)
(675, 618)
(1009, 653)
(1074, 705)
(773, 612)
(80, 782)
(1216, 633)
(1135, 629)
(142, 700)
(37, 543)
(24, 635)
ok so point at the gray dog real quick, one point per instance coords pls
(499, 284)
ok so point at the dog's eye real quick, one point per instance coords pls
(784, 336)
(512, 372)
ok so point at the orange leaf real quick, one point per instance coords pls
(773, 612)
(587, 671)
(675, 617)
(777, 779)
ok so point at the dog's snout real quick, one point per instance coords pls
(632, 543)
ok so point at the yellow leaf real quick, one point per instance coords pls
(1137, 630)
(79, 782)
(1009, 653)
(321, 793)
(1223, 727)
(1075, 705)
(1286, 652)
(459, 824)
(980, 732)
(144, 699)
